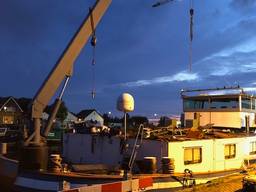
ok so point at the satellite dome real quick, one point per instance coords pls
(125, 102)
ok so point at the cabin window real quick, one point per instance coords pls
(8, 119)
(246, 103)
(230, 151)
(192, 155)
(224, 103)
(253, 148)
(193, 104)
(253, 104)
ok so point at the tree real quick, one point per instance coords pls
(62, 112)
(107, 119)
(137, 120)
(164, 121)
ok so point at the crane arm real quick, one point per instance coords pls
(64, 65)
(161, 2)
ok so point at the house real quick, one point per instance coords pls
(11, 113)
(90, 116)
(70, 120)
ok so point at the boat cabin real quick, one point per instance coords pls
(219, 108)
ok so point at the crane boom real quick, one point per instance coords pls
(161, 2)
(64, 66)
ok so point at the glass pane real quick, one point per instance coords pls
(8, 119)
(226, 151)
(224, 103)
(196, 104)
(246, 103)
(232, 150)
(197, 154)
(188, 155)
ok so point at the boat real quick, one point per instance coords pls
(31, 172)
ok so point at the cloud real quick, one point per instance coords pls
(179, 77)
(249, 89)
(229, 61)
(243, 6)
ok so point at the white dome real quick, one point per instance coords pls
(125, 102)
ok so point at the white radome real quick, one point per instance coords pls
(125, 102)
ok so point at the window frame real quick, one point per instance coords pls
(252, 148)
(230, 156)
(193, 161)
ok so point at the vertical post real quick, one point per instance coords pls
(37, 125)
(125, 126)
(240, 103)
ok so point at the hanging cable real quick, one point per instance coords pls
(93, 44)
(191, 13)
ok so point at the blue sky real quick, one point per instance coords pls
(141, 50)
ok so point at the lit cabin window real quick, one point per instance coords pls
(230, 151)
(192, 155)
(253, 148)
(8, 119)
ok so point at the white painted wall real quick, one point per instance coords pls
(219, 119)
(176, 151)
(95, 117)
(212, 154)
(77, 149)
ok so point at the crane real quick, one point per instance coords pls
(35, 147)
(191, 23)
(161, 2)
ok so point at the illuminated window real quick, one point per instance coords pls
(230, 151)
(8, 119)
(192, 155)
(253, 148)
